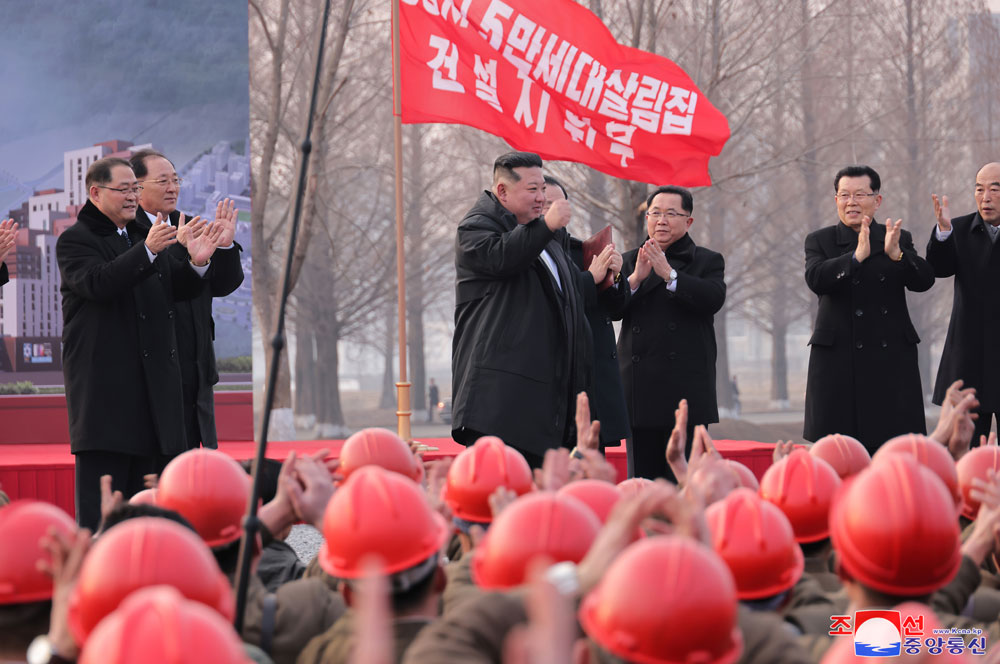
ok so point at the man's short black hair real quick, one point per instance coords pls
(127, 511)
(687, 200)
(549, 180)
(100, 171)
(857, 172)
(505, 164)
(138, 161)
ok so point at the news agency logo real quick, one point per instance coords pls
(891, 634)
(878, 633)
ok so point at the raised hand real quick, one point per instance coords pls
(601, 263)
(186, 231)
(864, 249)
(225, 214)
(657, 259)
(941, 213)
(678, 442)
(161, 235)
(202, 247)
(558, 215)
(781, 450)
(643, 268)
(8, 233)
(588, 433)
(110, 500)
(892, 249)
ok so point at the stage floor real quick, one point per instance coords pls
(45, 471)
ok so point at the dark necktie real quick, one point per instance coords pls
(124, 236)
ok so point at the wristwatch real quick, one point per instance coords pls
(673, 277)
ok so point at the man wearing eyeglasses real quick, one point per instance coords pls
(666, 349)
(193, 317)
(863, 377)
(122, 376)
(965, 248)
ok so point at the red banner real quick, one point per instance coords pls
(549, 77)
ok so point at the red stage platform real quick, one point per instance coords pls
(35, 461)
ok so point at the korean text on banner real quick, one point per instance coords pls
(550, 78)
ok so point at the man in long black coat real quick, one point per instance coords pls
(965, 248)
(666, 349)
(863, 378)
(607, 399)
(193, 317)
(520, 352)
(122, 376)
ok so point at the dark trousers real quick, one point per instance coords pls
(983, 425)
(126, 472)
(468, 437)
(646, 452)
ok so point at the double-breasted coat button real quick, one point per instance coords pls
(671, 326)
(614, 355)
(881, 277)
(885, 310)
(635, 359)
(145, 353)
(672, 355)
(885, 344)
(859, 345)
(635, 329)
(170, 314)
(859, 313)
(142, 316)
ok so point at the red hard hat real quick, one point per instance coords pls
(379, 447)
(478, 471)
(600, 496)
(665, 599)
(847, 455)
(377, 511)
(141, 552)
(158, 626)
(975, 464)
(543, 523)
(931, 454)
(144, 497)
(22, 525)
(634, 486)
(802, 486)
(756, 540)
(745, 476)
(209, 489)
(894, 528)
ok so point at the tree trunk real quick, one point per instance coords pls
(330, 417)
(415, 259)
(388, 397)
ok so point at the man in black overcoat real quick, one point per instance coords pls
(666, 349)
(607, 400)
(122, 375)
(521, 348)
(193, 321)
(965, 248)
(863, 378)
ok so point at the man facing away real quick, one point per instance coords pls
(521, 346)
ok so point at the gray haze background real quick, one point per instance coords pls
(76, 73)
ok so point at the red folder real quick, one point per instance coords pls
(593, 246)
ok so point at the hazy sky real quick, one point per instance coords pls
(74, 74)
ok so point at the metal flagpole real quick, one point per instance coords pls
(402, 386)
(251, 524)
